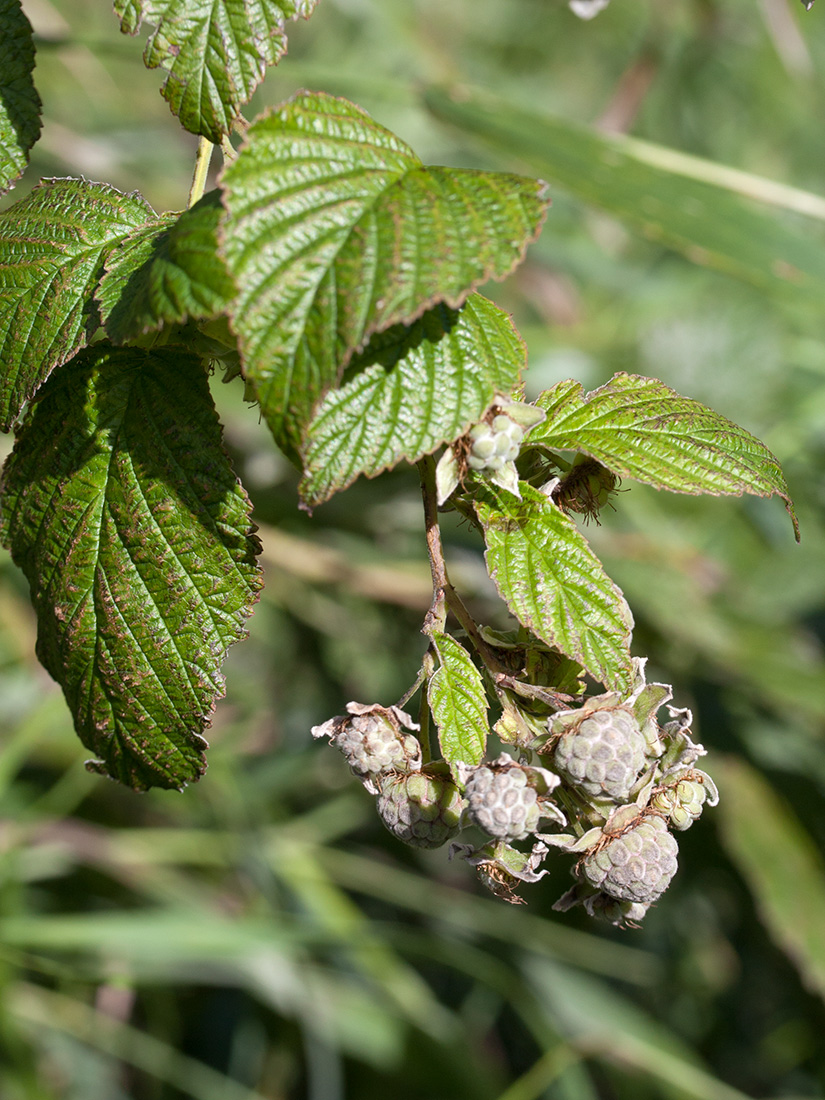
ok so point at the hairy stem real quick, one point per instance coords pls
(436, 618)
(204, 156)
(445, 597)
(425, 733)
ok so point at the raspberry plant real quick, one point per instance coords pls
(338, 275)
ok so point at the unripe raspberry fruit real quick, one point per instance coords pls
(495, 444)
(604, 755)
(504, 802)
(373, 741)
(371, 745)
(682, 802)
(636, 866)
(420, 809)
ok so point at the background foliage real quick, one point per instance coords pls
(259, 935)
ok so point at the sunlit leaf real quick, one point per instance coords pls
(640, 428)
(555, 585)
(215, 52)
(409, 391)
(458, 702)
(121, 508)
(335, 230)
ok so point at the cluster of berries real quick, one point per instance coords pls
(611, 787)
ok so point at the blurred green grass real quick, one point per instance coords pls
(259, 935)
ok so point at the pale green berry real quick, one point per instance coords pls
(604, 755)
(636, 866)
(420, 809)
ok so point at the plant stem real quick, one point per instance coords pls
(204, 156)
(408, 694)
(436, 618)
(445, 596)
(424, 736)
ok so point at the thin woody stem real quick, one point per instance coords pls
(436, 618)
(445, 596)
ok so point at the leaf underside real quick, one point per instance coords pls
(53, 245)
(215, 52)
(412, 389)
(554, 584)
(19, 102)
(166, 273)
(459, 704)
(335, 231)
(122, 509)
(640, 428)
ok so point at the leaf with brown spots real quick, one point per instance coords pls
(53, 245)
(121, 507)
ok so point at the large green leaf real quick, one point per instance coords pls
(412, 389)
(215, 52)
(19, 101)
(335, 230)
(52, 247)
(121, 507)
(780, 863)
(555, 585)
(458, 702)
(166, 273)
(709, 223)
(640, 428)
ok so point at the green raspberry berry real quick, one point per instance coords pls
(421, 809)
(374, 741)
(503, 797)
(635, 866)
(604, 755)
(682, 801)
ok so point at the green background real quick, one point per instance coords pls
(259, 935)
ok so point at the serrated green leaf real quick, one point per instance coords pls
(412, 389)
(555, 585)
(19, 102)
(780, 862)
(458, 702)
(52, 247)
(640, 428)
(122, 509)
(660, 193)
(215, 52)
(166, 273)
(335, 231)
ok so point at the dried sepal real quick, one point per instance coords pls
(447, 476)
(501, 867)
